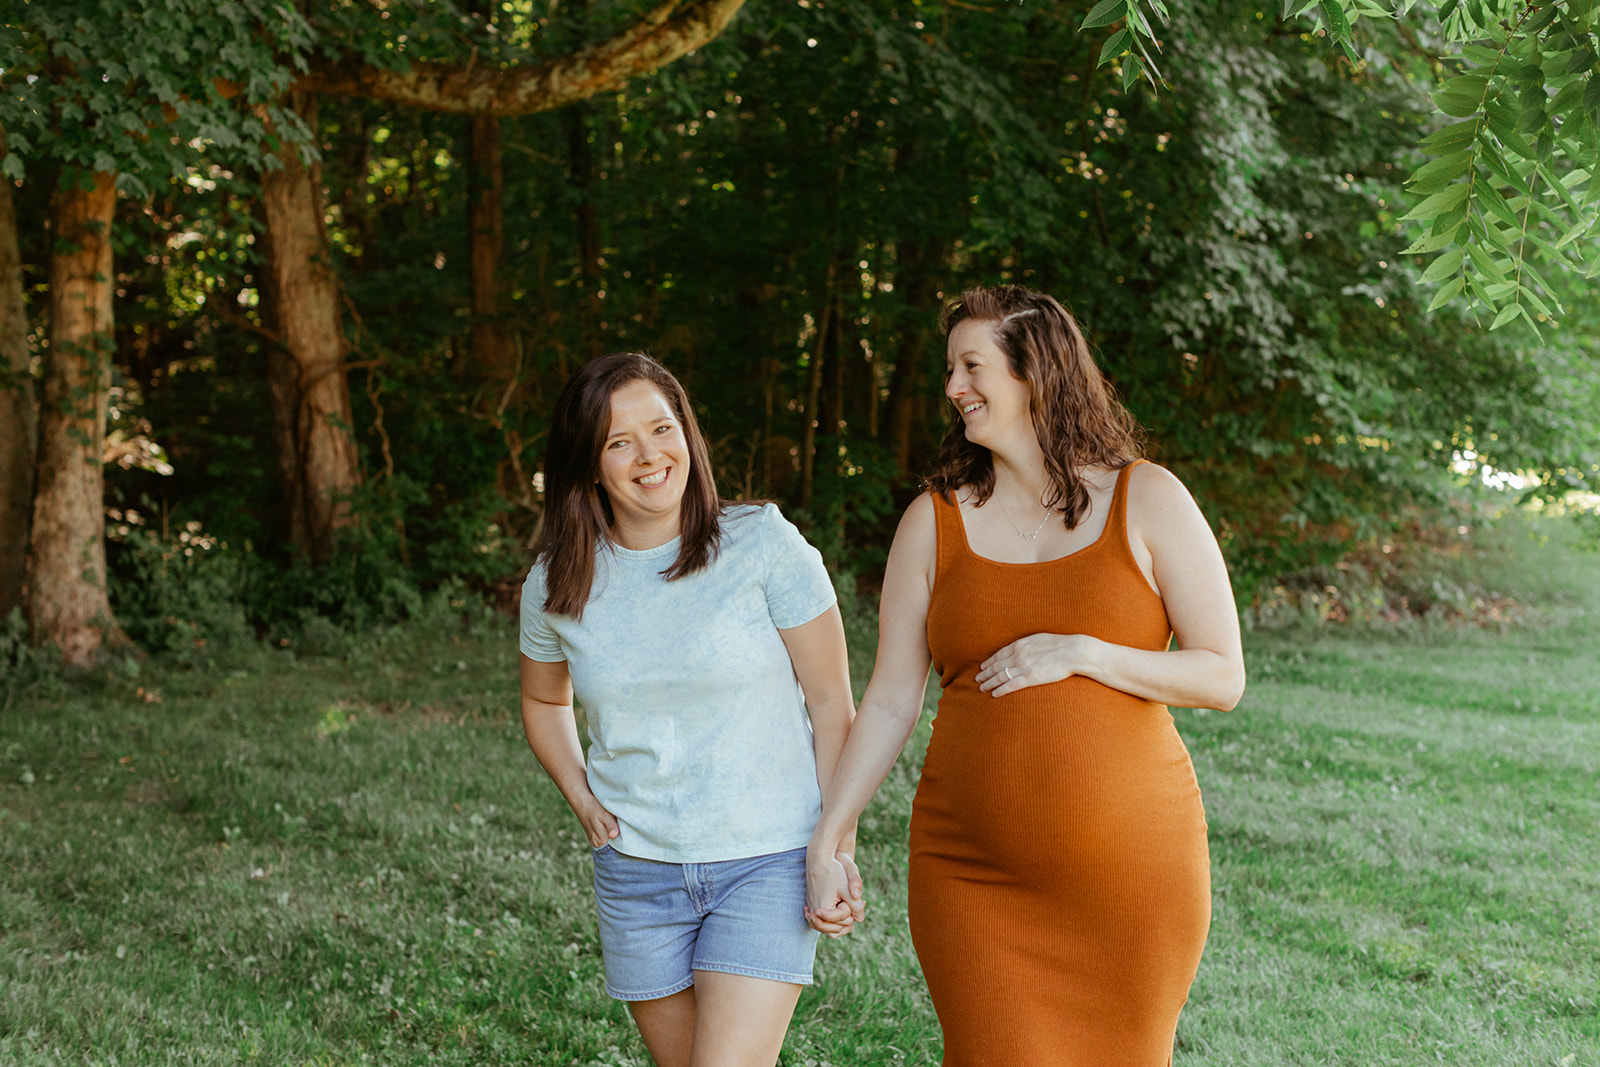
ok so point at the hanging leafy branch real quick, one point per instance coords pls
(1131, 45)
(1511, 185)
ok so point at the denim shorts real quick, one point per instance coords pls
(660, 922)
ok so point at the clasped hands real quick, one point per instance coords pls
(834, 902)
(1037, 659)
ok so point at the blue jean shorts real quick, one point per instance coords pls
(660, 922)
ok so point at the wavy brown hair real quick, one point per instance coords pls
(1076, 414)
(578, 514)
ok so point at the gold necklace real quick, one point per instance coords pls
(1026, 537)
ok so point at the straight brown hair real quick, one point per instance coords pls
(1076, 414)
(578, 514)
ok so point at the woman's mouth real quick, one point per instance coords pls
(650, 481)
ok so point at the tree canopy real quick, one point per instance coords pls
(776, 205)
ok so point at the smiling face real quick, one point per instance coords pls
(644, 466)
(993, 403)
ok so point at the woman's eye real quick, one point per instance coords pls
(617, 446)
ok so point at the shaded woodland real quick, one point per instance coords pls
(286, 291)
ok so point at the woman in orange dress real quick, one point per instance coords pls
(1060, 881)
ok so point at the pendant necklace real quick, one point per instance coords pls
(1029, 536)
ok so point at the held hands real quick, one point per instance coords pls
(1036, 660)
(598, 824)
(834, 902)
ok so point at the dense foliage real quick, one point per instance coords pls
(778, 216)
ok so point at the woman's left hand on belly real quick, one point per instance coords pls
(1037, 659)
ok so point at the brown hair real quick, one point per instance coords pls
(577, 510)
(1076, 414)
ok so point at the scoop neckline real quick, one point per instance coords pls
(966, 542)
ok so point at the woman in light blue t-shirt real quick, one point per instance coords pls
(704, 640)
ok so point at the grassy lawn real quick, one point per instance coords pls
(354, 859)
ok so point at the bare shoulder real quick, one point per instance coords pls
(1159, 503)
(916, 543)
(919, 527)
(1152, 488)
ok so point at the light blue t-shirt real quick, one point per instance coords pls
(699, 740)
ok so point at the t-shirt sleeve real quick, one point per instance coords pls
(798, 586)
(538, 640)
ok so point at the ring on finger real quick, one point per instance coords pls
(1008, 673)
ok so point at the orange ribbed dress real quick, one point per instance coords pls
(1060, 881)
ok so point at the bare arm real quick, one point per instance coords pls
(553, 736)
(1175, 547)
(893, 701)
(822, 665)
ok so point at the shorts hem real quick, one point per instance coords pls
(667, 991)
(755, 972)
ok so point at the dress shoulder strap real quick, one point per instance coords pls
(1117, 521)
(951, 536)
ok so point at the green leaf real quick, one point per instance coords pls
(1496, 236)
(1498, 165)
(1444, 266)
(1459, 105)
(1466, 84)
(1137, 21)
(1115, 45)
(1559, 189)
(1131, 69)
(1431, 242)
(1564, 101)
(1534, 326)
(1537, 304)
(1338, 24)
(1487, 57)
(1507, 313)
(1439, 203)
(1452, 218)
(1104, 13)
(1451, 137)
(1486, 265)
(1531, 117)
(1502, 209)
(1503, 121)
(1591, 93)
(1582, 227)
(1449, 292)
(1431, 177)
(1542, 17)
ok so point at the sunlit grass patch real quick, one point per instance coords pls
(354, 859)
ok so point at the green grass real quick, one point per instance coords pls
(356, 860)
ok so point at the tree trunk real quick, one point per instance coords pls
(581, 186)
(311, 395)
(18, 417)
(810, 413)
(491, 342)
(67, 601)
(919, 266)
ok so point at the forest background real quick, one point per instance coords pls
(289, 288)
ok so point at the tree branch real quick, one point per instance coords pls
(661, 36)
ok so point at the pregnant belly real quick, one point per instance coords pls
(1052, 776)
